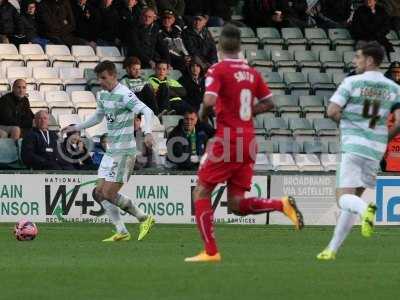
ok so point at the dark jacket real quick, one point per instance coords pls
(34, 154)
(87, 21)
(338, 10)
(10, 21)
(143, 44)
(200, 44)
(56, 18)
(368, 26)
(15, 112)
(31, 26)
(178, 6)
(109, 24)
(129, 20)
(171, 41)
(203, 133)
(194, 90)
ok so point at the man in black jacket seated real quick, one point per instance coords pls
(39, 147)
(15, 112)
(187, 141)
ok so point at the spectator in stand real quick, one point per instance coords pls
(129, 13)
(276, 13)
(391, 159)
(137, 83)
(143, 40)
(220, 11)
(192, 8)
(87, 21)
(167, 93)
(30, 23)
(393, 9)
(170, 39)
(199, 42)
(11, 28)
(74, 154)
(187, 141)
(316, 12)
(194, 83)
(57, 22)
(16, 117)
(99, 150)
(39, 149)
(108, 33)
(177, 6)
(338, 11)
(371, 23)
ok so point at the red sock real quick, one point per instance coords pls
(204, 219)
(259, 205)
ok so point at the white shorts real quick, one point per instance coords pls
(356, 171)
(116, 168)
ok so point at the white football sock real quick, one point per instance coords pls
(342, 229)
(113, 213)
(127, 205)
(353, 203)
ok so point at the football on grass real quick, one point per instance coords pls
(25, 230)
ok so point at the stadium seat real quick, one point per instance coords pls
(308, 162)
(8, 151)
(68, 119)
(33, 55)
(307, 61)
(258, 123)
(59, 103)
(277, 129)
(36, 101)
(321, 83)
(283, 61)
(175, 74)
(294, 39)
(262, 162)
(330, 160)
(326, 129)
(60, 56)
(270, 36)
(317, 39)
(282, 162)
(334, 147)
(247, 36)
(18, 72)
(287, 106)
(337, 78)
(312, 106)
(394, 39)
(341, 39)
(296, 83)
(97, 130)
(170, 122)
(348, 60)
(9, 56)
(331, 61)
(47, 79)
(85, 57)
(301, 129)
(111, 54)
(215, 32)
(73, 79)
(84, 102)
(316, 147)
(259, 58)
(147, 72)
(275, 82)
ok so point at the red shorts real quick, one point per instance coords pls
(237, 175)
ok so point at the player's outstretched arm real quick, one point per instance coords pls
(334, 112)
(206, 109)
(263, 105)
(395, 129)
(93, 120)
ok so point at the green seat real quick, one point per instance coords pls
(307, 61)
(312, 103)
(341, 39)
(264, 146)
(175, 74)
(270, 36)
(325, 127)
(277, 126)
(334, 147)
(215, 32)
(348, 60)
(393, 38)
(287, 106)
(275, 82)
(247, 36)
(331, 61)
(283, 60)
(321, 83)
(315, 147)
(8, 151)
(289, 146)
(317, 39)
(337, 78)
(90, 76)
(301, 126)
(294, 39)
(259, 58)
(297, 83)
(170, 121)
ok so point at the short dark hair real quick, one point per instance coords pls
(189, 110)
(162, 61)
(106, 65)
(130, 61)
(229, 39)
(374, 50)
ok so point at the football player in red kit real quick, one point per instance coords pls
(231, 89)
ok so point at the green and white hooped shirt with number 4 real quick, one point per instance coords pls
(366, 100)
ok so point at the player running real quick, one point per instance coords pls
(118, 105)
(231, 86)
(361, 104)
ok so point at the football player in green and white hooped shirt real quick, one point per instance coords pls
(361, 103)
(118, 105)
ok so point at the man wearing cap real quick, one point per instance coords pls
(171, 42)
(198, 40)
(178, 6)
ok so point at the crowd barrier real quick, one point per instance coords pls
(67, 197)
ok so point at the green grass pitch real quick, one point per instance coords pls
(68, 261)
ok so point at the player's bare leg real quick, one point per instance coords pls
(204, 220)
(242, 206)
(350, 203)
(110, 191)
